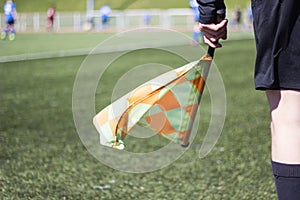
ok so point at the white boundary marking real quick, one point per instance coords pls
(110, 49)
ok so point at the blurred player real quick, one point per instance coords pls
(146, 19)
(104, 12)
(10, 13)
(196, 33)
(50, 18)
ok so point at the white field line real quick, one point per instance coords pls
(36, 56)
(86, 51)
(107, 49)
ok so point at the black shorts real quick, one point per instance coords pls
(51, 19)
(277, 35)
(11, 22)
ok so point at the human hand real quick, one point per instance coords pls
(213, 32)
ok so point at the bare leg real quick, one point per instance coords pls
(285, 125)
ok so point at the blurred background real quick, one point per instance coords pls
(85, 15)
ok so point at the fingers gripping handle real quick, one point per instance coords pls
(219, 17)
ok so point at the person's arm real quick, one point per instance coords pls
(14, 12)
(208, 25)
(208, 10)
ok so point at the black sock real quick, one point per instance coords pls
(287, 180)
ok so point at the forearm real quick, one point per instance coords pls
(15, 15)
(212, 21)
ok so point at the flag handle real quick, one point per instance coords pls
(210, 51)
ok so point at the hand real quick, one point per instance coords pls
(213, 32)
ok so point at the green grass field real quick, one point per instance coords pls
(42, 157)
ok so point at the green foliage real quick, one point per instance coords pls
(80, 5)
(42, 157)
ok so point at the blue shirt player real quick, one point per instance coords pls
(196, 33)
(104, 12)
(10, 14)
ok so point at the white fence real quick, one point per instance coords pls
(178, 19)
